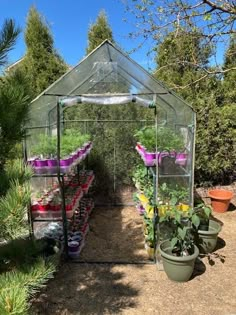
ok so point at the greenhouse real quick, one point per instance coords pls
(59, 142)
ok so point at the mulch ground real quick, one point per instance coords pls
(116, 235)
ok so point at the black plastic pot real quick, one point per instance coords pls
(167, 165)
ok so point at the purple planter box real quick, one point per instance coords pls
(51, 162)
(73, 157)
(181, 159)
(140, 149)
(77, 154)
(66, 162)
(149, 158)
(40, 163)
(161, 155)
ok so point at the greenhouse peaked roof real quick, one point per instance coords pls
(105, 71)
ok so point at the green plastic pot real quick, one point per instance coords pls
(206, 241)
(177, 268)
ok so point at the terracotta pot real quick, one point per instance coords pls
(220, 199)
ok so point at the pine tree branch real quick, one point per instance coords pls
(8, 36)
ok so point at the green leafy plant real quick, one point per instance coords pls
(45, 147)
(201, 217)
(173, 194)
(71, 140)
(184, 226)
(164, 138)
(150, 236)
(181, 238)
(140, 178)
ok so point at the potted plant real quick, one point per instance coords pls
(179, 252)
(160, 144)
(140, 177)
(206, 229)
(149, 236)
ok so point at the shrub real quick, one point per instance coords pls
(215, 143)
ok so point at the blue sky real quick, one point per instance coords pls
(69, 21)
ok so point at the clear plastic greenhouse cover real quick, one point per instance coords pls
(105, 77)
(108, 77)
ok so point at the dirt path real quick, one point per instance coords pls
(115, 235)
(81, 289)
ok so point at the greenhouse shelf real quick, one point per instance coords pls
(63, 170)
(159, 174)
(58, 201)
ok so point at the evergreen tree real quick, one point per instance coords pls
(155, 19)
(14, 98)
(230, 77)
(215, 134)
(42, 63)
(8, 36)
(98, 32)
(176, 57)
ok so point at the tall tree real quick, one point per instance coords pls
(230, 77)
(156, 19)
(14, 96)
(215, 133)
(99, 31)
(42, 63)
(175, 56)
(8, 36)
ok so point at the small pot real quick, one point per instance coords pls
(43, 208)
(220, 199)
(177, 268)
(73, 246)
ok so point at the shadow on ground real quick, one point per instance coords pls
(85, 289)
(115, 236)
(199, 268)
